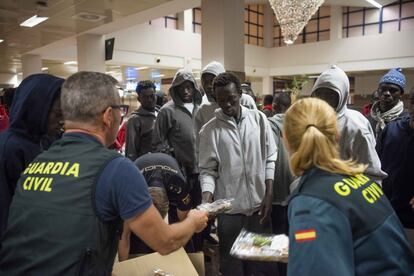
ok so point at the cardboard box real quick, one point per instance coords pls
(197, 259)
(177, 263)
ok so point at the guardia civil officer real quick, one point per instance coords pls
(67, 212)
(340, 221)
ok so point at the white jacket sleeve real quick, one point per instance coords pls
(207, 160)
(271, 152)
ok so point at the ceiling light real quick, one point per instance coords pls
(45, 68)
(141, 68)
(70, 62)
(157, 76)
(33, 21)
(1, 40)
(374, 3)
(293, 15)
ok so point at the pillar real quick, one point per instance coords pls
(222, 36)
(267, 85)
(268, 20)
(32, 64)
(185, 21)
(336, 23)
(91, 53)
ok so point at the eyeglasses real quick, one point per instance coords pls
(122, 107)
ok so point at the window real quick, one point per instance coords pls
(169, 21)
(253, 24)
(197, 20)
(317, 29)
(366, 21)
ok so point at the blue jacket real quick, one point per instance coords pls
(21, 142)
(344, 225)
(396, 151)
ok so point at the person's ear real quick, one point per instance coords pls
(107, 117)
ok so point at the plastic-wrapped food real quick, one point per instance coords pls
(216, 207)
(259, 247)
(160, 272)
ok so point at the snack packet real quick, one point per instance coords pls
(258, 247)
(216, 207)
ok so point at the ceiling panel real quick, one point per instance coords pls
(66, 19)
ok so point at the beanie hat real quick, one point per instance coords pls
(394, 76)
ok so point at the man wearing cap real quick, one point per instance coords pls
(389, 107)
(396, 150)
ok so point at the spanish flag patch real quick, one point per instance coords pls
(305, 235)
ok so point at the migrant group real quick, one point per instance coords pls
(82, 183)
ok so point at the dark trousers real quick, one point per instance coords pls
(229, 227)
(280, 225)
(196, 197)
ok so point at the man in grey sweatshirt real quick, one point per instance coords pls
(356, 139)
(237, 156)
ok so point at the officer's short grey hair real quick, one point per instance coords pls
(85, 95)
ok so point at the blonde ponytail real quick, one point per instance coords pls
(311, 132)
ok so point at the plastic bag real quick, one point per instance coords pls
(216, 207)
(160, 272)
(258, 247)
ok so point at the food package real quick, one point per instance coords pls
(216, 207)
(260, 247)
(160, 272)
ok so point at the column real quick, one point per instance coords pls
(336, 23)
(91, 53)
(185, 21)
(222, 36)
(268, 32)
(267, 85)
(32, 64)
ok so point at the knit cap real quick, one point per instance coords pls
(394, 76)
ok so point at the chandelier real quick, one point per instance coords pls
(293, 15)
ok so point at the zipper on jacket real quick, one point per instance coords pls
(244, 167)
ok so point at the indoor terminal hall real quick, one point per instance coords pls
(207, 137)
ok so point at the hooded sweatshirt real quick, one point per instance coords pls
(21, 142)
(206, 111)
(357, 139)
(283, 175)
(174, 131)
(236, 159)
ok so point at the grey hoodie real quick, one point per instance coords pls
(174, 125)
(283, 175)
(357, 139)
(236, 159)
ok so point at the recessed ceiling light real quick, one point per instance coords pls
(141, 68)
(157, 76)
(33, 21)
(374, 3)
(1, 40)
(72, 62)
(45, 68)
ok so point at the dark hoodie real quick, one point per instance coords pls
(139, 130)
(174, 125)
(21, 142)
